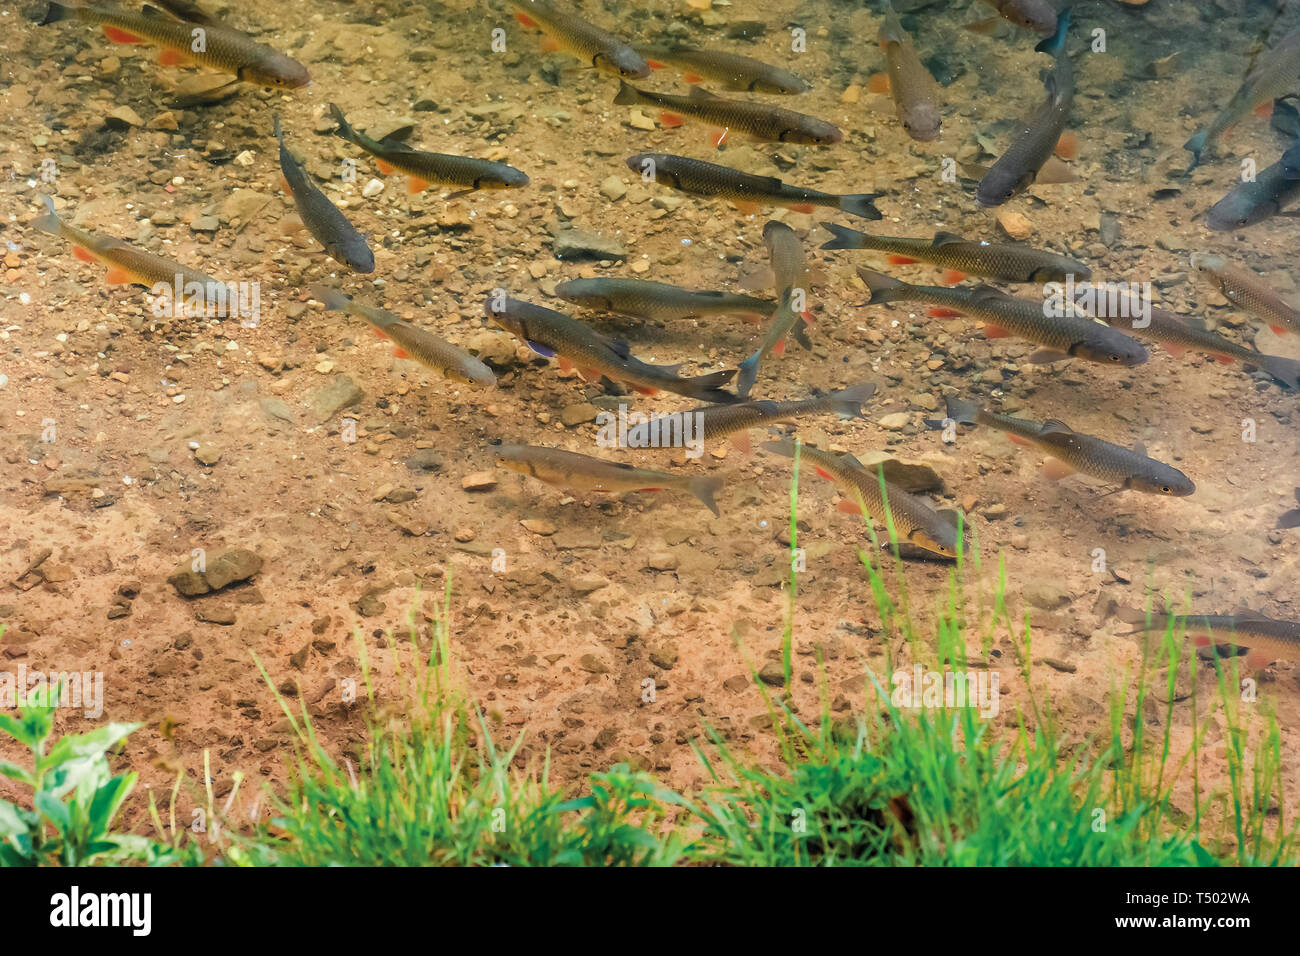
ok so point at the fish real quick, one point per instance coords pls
(567, 469)
(790, 273)
(126, 264)
(588, 42)
(913, 519)
(1129, 468)
(577, 345)
(411, 341)
(424, 169)
(223, 48)
(185, 10)
(1180, 334)
(323, 219)
(915, 95)
(747, 191)
(733, 72)
(1248, 291)
(658, 300)
(1037, 15)
(734, 421)
(761, 121)
(1250, 203)
(1290, 519)
(1017, 168)
(1265, 640)
(1276, 73)
(960, 257)
(1071, 334)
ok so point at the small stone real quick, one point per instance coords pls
(340, 393)
(895, 422)
(123, 117)
(613, 188)
(1015, 224)
(221, 614)
(578, 414)
(426, 460)
(205, 223)
(539, 526)
(592, 664)
(772, 674)
(479, 481)
(465, 535)
(1046, 595)
(207, 454)
(662, 561)
(372, 188)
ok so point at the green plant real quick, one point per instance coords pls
(75, 800)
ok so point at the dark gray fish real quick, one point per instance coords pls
(322, 218)
(1250, 203)
(1017, 168)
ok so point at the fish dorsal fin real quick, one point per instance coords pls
(946, 238)
(150, 11)
(1054, 426)
(620, 348)
(987, 292)
(766, 407)
(848, 459)
(951, 515)
(1195, 322)
(699, 93)
(1140, 449)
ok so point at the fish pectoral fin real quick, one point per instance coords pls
(458, 193)
(565, 364)
(542, 349)
(417, 184)
(1055, 172)
(1047, 357)
(740, 441)
(591, 374)
(1054, 469)
(118, 35)
(996, 332)
(385, 167)
(848, 507)
(117, 276)
(1018, 440)
(82, 253)
(671, 119)
(1054, 426)
(1140, 449)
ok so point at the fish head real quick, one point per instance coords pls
(813, 132)
(504, 177)
(1163, 480)
(473, 373)
(278, 71)
(1112, 347)
(500, 312)
(1000, 185)
(922, 122)
(1228, 213)
(940, 538)
(1206, 262)
(353, 252)
(580, 293)
(622, 61)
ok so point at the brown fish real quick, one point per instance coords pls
(762, 121)
(916, 98)
(1248, 291)
(588, 42)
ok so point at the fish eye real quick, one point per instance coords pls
(1166, 490)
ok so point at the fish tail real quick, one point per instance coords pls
(783, 447)
(747, 374)
(1285, 370)
(334, 300)
(842, 236)
(49, 221)
(883, 288)
(709, 388)
(345, 129)
(55, 12)
(705, 487)
(963, 412)
(1196, 146)
(1056, 42)
(848, 402)
(860, 204)
(627, 94)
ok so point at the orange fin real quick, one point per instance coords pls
(1225, 359)
(1177, 351)
(385, 167)
(83, 254)
(803, 207)
(1258, 660)
(284, 186)
(550, 44)
(527, 21)
(1264, 110)
(693, 78)
(897, 260)
(655, 65)
(649, 489)
(1067, 147)
(416, 185)
(848, 507)
(1278, 330)
(1016, 439)
(118, 35)
(825, 474)
(746, 208)
(952, 276)
(590, 374)
(879, 83)
(1054, 469)
(996, 332)
(671, 119)
(939, 312)
(401, 353)
(645, 390)
(740, 440)
(380, 332)
(779, 348)
(172, 58)
(117, 276)
(807, 317)
(565, 364)
(718, 137)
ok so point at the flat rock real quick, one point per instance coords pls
(340, 393)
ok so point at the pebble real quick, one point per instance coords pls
(895, 422)
(538, 526)
(1015, 224)
(479, 481)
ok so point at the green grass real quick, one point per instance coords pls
(891, 786)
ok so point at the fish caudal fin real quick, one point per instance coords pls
(1055, 44)
(962, 411)
(334, 300)
(860, 204)
(49, 221)
(1285, 370)
(54, 12)
(705, 488)
(627, 94)
(849, 401)
(842, 237)
(1196, 146)
(709, 388)
(747, 374)
(345, 129)
(883, 288)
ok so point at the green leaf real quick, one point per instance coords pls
(15, 820)
(54, 810)
(15, 772)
